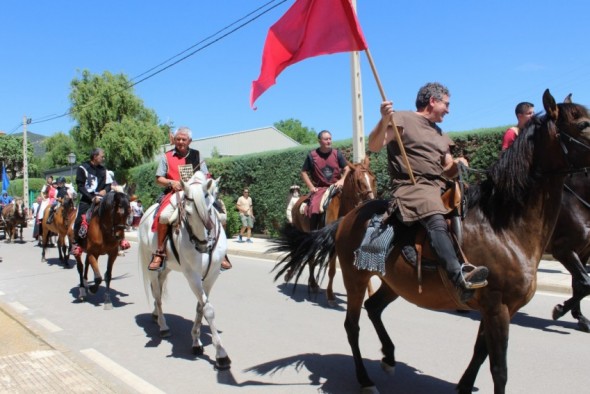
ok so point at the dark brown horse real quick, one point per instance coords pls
(62, 225)
(570, 244)
(510, 220)
(106, 229)
(359, 185)
(15, 219)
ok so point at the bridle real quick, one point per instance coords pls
(368, 194)
(212, 232)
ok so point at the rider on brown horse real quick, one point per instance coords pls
(428, 153)
(323, 167)
(93, 184)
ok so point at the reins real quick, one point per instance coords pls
(201, 245)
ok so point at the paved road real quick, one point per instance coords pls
(279, 341)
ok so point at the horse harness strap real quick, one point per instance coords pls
(578, 197)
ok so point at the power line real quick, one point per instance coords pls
(153, 74)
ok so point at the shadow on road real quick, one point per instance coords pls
(334, 373)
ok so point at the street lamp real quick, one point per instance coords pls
(72, 161)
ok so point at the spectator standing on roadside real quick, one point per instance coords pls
(293, 197)
(245, 207)
(524, 112)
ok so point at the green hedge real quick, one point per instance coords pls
(269, 175)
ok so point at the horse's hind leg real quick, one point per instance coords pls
(157, 283)
(331, 274)
(356, 285)
(375, 306)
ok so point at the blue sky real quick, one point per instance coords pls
(490, 54)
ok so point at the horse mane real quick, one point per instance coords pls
(503, 193)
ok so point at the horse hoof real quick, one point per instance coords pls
(165, 334)
(557, 312)
(332, 303)
(223, 363)
(584, 326)
(108, 306)
(369, 390)
(387, 368)
(198, 350)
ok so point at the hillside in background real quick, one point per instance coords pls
(35, 140)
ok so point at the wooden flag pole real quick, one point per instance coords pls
(398, 138)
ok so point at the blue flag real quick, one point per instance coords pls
(5, 180)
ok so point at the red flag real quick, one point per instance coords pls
(309, 28)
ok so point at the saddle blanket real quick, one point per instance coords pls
(376, 245)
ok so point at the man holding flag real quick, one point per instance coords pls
(429, 153)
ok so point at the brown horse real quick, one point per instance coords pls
(570, 244)
(106, 229)
(509, 222)
(15, 219)
(359, 185)
(62, 225)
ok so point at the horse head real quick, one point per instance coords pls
(114, 208)
(361, 182)
(197, 193)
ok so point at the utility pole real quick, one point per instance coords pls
(25, 163)
(358, 131)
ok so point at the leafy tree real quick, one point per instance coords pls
(57, 148)
(11, 154)
(294, 129)
(111, 117)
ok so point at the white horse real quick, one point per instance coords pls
(196, 250)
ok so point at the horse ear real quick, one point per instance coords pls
(568, 99)
(550, 105)
(366, 161)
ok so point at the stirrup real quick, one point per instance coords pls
(473, 277)
(162, 265)
(77, 250)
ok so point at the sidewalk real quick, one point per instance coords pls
(30, 363)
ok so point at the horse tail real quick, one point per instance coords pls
(302, 248)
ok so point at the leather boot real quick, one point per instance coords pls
(50, 216)
(159, 255)
(464, 276)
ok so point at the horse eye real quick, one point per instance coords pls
(583, 125)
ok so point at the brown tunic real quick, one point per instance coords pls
(425, 147)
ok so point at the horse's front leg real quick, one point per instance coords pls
(496, 323)
(480, 353)
(83, 284)
(92, 260)
(107, 278)
(196, 331)
(222, 361)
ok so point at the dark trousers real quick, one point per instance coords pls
(442, 244)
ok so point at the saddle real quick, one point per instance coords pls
(410, 241)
